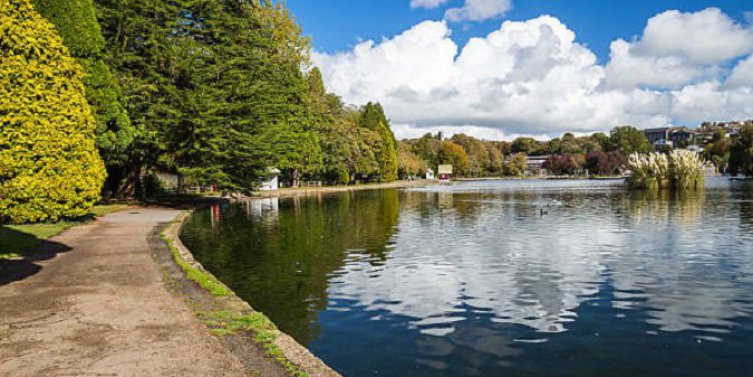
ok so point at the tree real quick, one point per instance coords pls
(603, 163)
(385, 149)
(49, 164)
(563, 164)
(453, 154)
(516, 165)
(525, 145)
(77, 24)
(628, 140)
(741, 153)
(409, 165)
(718, 152)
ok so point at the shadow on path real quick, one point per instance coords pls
(12, 270)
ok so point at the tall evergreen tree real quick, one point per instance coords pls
(77, 24)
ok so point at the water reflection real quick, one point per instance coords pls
(526, 277)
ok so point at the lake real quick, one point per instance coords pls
(499, 278)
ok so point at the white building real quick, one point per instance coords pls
(272, 181)
(430, 174)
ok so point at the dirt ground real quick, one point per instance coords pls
(100, 308)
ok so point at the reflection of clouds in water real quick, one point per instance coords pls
(535, 278)
(496, 255)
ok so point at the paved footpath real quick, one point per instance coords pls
(101, 309)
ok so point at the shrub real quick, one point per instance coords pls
(681, 169)
(49, 165)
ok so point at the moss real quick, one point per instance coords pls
(203, 279)
(225, 323)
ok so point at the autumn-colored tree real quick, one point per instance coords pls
(516, 165)
(49, 164)
(453, 154)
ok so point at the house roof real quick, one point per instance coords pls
(445, 169)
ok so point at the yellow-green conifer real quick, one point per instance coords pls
(49, 164)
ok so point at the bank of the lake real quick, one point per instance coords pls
(302, 191)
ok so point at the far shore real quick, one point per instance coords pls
(301, 191)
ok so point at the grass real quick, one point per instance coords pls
(18, 240)
(224, 323)
(203, 279)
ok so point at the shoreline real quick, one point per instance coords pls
(303, 191)
(289, 354)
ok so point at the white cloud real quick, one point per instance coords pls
(707, 36)
(677, 49)
(532, 77)
(742, 75)
(479, 10)
(428, 4)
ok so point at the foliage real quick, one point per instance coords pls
(49, 165)
(741, 152)
(628, 140)
(515, 165)
(604, 163)
(681, 169)
(526, 145)
(409, 164)
(718, 152)
(384, 146)
(77, 24)
(564, 164)
(484, 158)
(453, 154)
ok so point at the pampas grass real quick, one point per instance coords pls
(681, 169)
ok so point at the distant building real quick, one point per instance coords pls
(670, 136)
(656, 134)
(445, 172)
(535, 164)
(430, 174)
(271, 181)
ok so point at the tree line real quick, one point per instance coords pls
(598, 154)
(214, 91)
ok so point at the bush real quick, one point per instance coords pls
(49, 165)
(681, 169)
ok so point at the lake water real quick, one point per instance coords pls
(499, 278)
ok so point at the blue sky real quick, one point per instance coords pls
(557, 66)
(337, 25)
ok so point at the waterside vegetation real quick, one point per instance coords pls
(678, 170)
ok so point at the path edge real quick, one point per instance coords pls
(300, 356)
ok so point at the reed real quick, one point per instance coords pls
(680, 170)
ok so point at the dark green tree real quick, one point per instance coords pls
(385, 146)
(628, 140)
(741, 153)
(77, 24)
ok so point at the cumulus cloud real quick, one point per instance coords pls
(428, 4)
(678, 48)
(479, 10)
(532, 77)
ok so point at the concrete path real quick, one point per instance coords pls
(101, 309)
